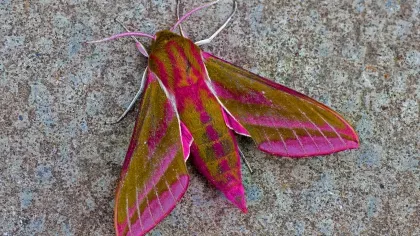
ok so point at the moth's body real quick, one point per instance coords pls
(191, 103)
(177, 62)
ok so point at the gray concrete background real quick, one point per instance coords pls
(60, 161)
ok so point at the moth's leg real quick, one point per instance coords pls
(245, 160)
(177, 18)
(142, 85)
(208, 40)
(139, 45)
(184, 17)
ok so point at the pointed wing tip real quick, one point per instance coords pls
(354, 144)
(352, 134)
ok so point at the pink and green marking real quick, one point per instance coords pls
(191, 105)
(179, 65)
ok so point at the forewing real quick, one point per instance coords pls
(280, 120)
(154, 175)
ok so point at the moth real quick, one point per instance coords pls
(191, 104)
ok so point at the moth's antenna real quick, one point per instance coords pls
(245, 160)
(139, 45)
(177, 17)
(184, 17)
(208, 40)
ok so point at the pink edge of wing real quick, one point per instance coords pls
(296, 148)
(133, 142)
(168, 201)
(306, 145)
(187, 141)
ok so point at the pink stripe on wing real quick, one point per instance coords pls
(160, 132)
(245, 98)
(176, 191)
(156, 176)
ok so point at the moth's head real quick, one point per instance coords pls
(163, 37)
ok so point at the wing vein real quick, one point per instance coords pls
(128, 216)
(323, 135)
(138, 210)
(335, 131)
(268, 140)
(177, 178)
(170, 191)
(148, 207)
(300, 142)
(313, 140)
(158, 199)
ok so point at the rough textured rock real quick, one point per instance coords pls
(61, 161)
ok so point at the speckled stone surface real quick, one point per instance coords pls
(60, 160)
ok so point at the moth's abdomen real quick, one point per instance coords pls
(214, 150)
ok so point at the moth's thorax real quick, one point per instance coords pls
(162, 38)
(176, 61)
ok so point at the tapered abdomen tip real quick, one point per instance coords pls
(237, 197)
